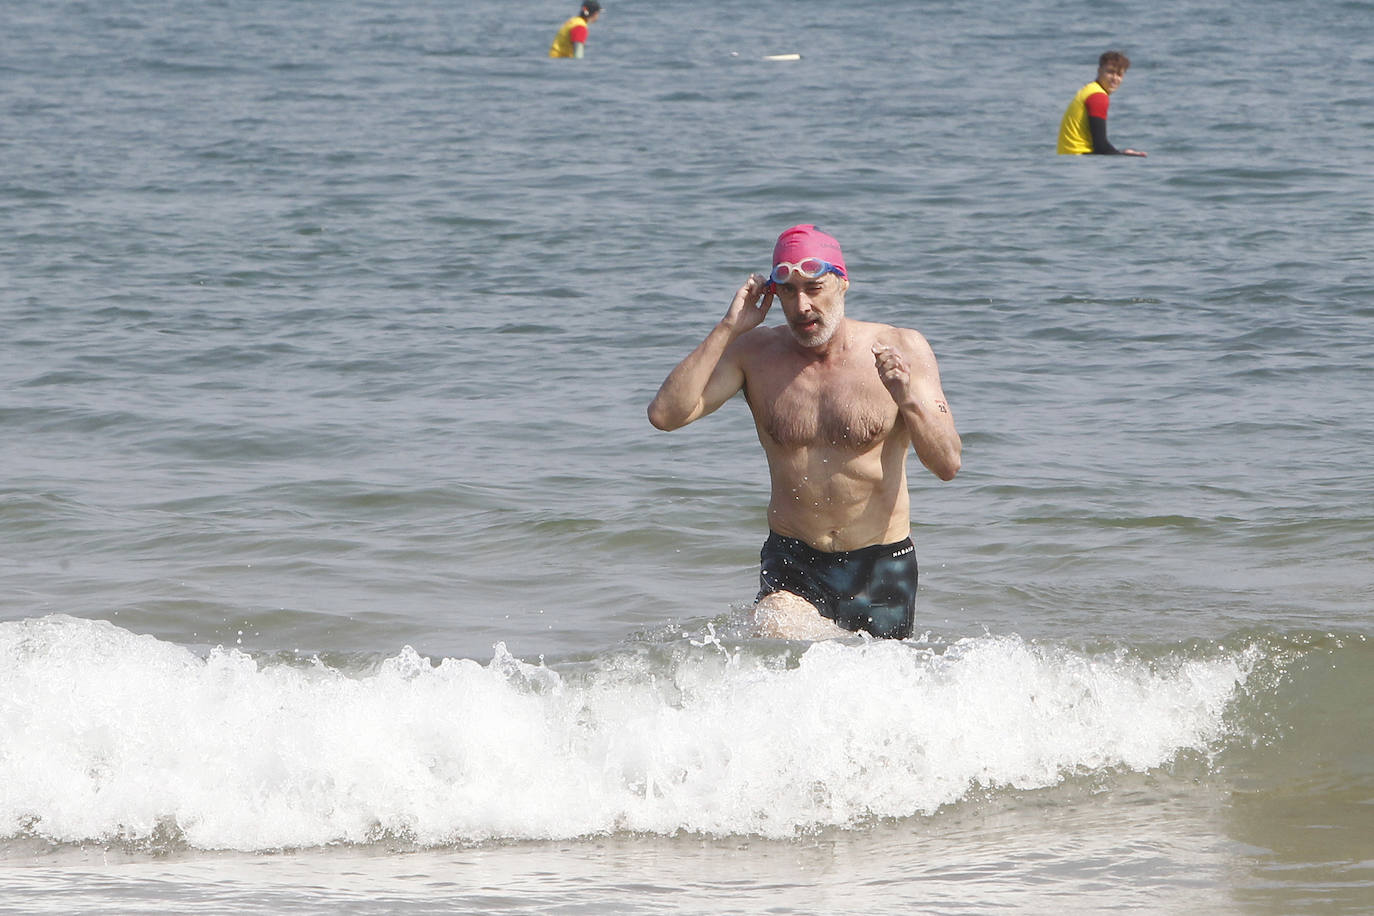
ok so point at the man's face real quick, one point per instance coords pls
(814, 308)
(1109, 78)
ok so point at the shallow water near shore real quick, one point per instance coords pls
(340, 569)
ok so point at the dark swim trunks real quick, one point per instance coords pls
(872, 588)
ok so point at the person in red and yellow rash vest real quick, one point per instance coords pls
(572, 35)
(1084, 127)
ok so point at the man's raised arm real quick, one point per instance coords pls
(708, 377)
(913, 380)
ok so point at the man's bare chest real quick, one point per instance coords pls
(809, 410)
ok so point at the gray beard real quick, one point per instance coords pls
(818, 338)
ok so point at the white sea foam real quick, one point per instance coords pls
(106, 734)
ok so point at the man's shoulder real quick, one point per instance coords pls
(763, 337)
(886, 333)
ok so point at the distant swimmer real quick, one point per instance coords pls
(572, 35)
(1084, 127)
(836, 403)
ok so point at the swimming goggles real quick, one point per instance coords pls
(806, 268)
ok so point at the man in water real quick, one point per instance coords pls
(837, 403)
(1084, 126)
(572, 35)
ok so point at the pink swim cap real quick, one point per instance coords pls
(806, 241)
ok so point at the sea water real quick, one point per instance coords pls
(340, 569)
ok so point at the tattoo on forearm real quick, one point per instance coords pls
(942, 407)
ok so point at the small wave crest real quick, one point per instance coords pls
(107, 735)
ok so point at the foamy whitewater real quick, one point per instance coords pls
(108, 735)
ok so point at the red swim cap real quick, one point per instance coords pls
(806, 241)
